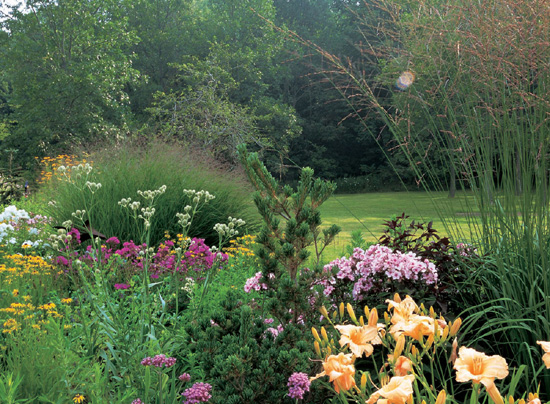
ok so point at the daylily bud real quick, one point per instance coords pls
(341, 310)
(351, 313)
(441, 397)
(366, 310)
(334, 315)
(453, 356)
(430, 341)
(324, 312)
(432, 312)
(396, 298)
(399, 347)
(445, 333)
(455, 327)
(324, 334)
(373, 318)
(317, 348)
(315, 334)
(363, 382)
(361, 321)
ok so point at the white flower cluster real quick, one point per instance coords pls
(9, 218)
(78, 170)
(12, 214)
(188, 286)
(93, 186)
(79, 214)
(229, 229)
(198, 196)
(127, 203)
(151, 195)
(146, 214)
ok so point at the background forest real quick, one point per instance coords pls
(208, 73)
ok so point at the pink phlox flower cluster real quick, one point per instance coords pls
(466, 250)
(159, 361)
(274, 331)
(198, 393)
(122, 286)
(137, 401)
(298, 384)
(254, 283)
(365, 267)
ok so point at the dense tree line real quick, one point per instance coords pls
(211, 73)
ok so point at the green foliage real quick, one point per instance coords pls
(68, 67)
(202, 114)
(283, 248)
(126, 169)
(244, 362)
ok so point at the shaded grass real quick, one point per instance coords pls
(368, 212)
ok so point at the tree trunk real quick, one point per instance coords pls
(452, 181)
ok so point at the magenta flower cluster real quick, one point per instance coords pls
(159, 361)
(298, 384)
(374, 267)
(137, 401)
(198, 257)
(184, 377)
(198, 393)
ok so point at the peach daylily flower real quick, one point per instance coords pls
(359, 339)
(397, 391)
(340, 370)
(403, 366)
(414, 326)
(546, 348)
(477, 367)
(402, 310)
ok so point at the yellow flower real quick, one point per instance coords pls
(340, 371)
(398, 391)
(480, 368)
(546, 357)
(67, 300)
(15, 293)
(79, 398)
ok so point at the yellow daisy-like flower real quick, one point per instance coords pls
(79, 398)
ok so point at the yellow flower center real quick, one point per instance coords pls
(477, 365)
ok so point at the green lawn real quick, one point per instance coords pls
(367, 212)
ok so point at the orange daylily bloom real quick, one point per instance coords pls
(340, 370)
(546, 357)
(359, 339)
(398, 391)
(480, 368)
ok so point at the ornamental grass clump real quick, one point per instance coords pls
(126, 169)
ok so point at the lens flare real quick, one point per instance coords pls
(405, 80)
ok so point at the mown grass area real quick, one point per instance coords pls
(368, 212)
